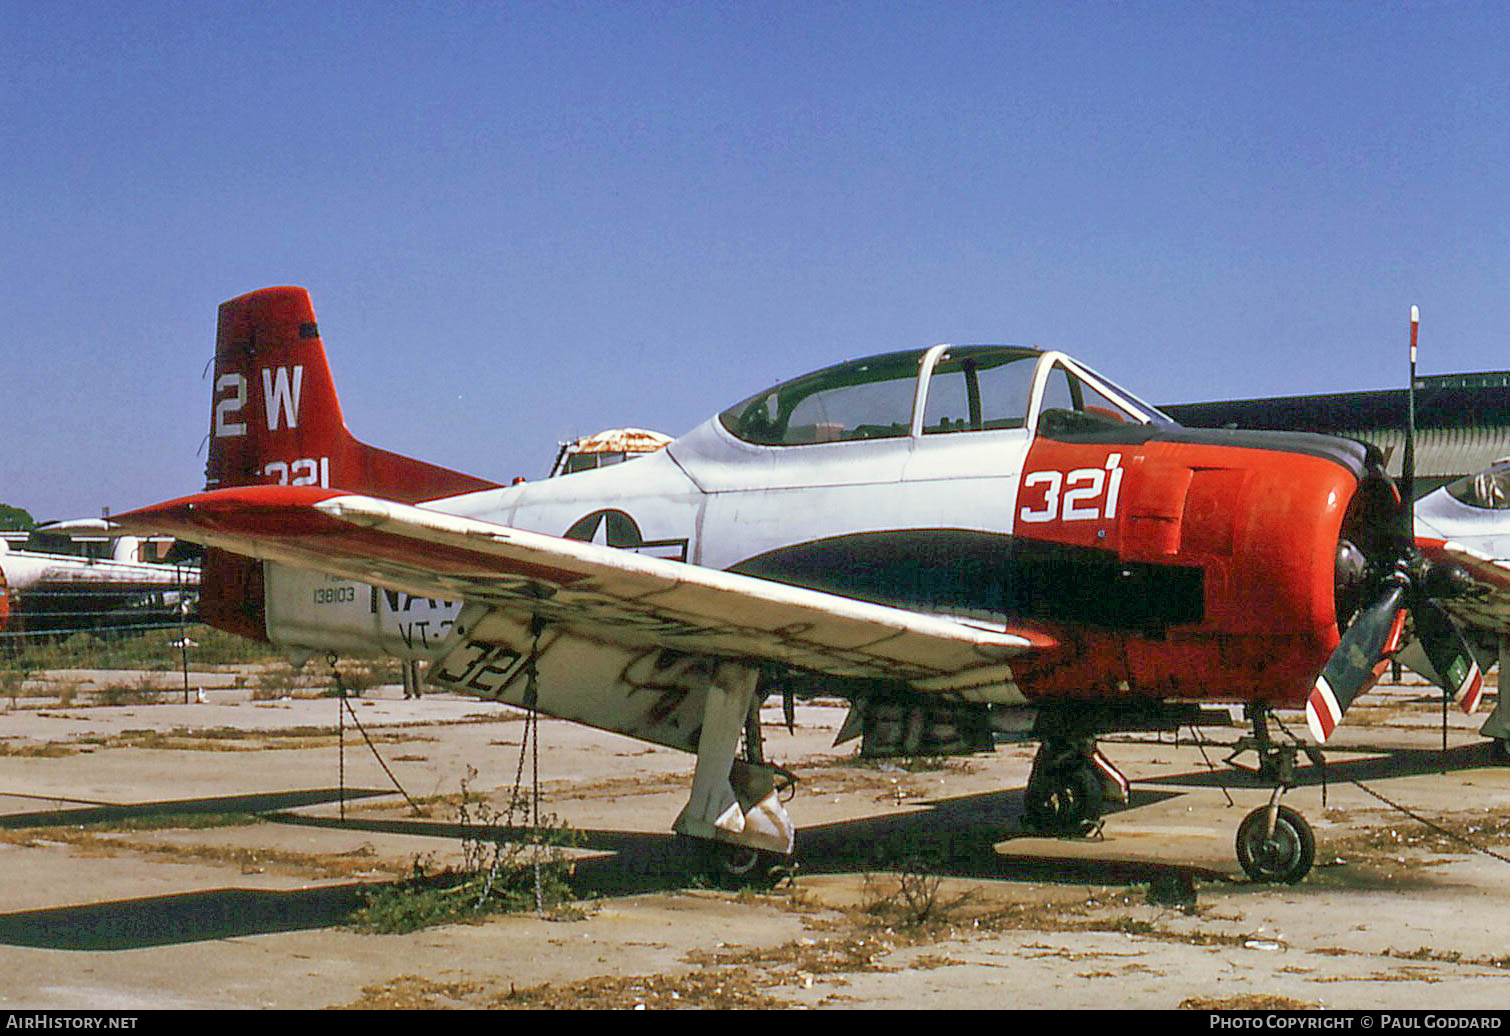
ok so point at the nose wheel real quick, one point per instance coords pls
(1275, 844)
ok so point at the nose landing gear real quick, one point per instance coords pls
(1274, 842)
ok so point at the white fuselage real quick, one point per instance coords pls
(717, 499)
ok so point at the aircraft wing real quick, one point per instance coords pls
(1488, 606)
(593, 592)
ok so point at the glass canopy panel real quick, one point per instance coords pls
(863, 399)
(1154, 414)
(974, 390)
(1072, 406)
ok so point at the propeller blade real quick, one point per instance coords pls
(1357, 663)
(1457, 670)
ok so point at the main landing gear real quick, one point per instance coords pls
(1069, 788)
(735, 809)
(740, 866)
(1497, 726)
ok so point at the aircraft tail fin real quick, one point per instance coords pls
(275, 418)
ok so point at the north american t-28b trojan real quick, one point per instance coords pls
(968, 543)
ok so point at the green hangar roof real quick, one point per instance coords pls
(1462, 421)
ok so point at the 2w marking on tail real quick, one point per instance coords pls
(282, 390)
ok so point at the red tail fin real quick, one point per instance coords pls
(275, 418)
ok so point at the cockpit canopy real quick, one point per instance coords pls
(1488, 489)
(937, 391)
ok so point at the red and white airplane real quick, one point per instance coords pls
(966, 542)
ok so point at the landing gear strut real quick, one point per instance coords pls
(735, 808)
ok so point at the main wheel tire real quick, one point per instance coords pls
(1286, 856)
(738, 862)
(1067, 802)
(739, 866)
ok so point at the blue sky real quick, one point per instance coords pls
(521, 222)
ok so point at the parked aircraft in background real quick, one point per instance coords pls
(64, 577)
(614, 446)
(1468, 521)
(966, 542)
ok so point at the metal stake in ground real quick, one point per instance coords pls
(340, 729)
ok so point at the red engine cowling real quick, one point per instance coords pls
(1209, 562)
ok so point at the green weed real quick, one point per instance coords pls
(505, 869)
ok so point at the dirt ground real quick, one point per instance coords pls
(208, 855)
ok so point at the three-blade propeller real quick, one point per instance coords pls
(1408, 588)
